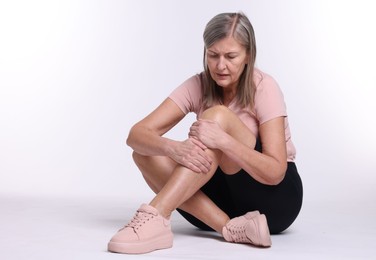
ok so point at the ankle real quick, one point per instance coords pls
(224, 227)
(162, 210)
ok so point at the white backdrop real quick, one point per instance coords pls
(76, 75)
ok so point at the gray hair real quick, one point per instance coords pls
(235, 25)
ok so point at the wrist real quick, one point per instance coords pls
(169, 147)
(224, 142)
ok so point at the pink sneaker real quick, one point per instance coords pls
(250, 228)
(146, 232)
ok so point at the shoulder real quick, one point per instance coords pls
(262, 79)
(193, 81)
(269, 99)
(266, 85)
(191, 85)
(188, 95)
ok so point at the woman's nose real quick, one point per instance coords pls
(221, 65)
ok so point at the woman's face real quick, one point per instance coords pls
(226, 60)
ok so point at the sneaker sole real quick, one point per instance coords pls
(142, 247)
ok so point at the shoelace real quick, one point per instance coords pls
(140, 218)
(238, 234)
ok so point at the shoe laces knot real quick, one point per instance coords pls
(140, 218)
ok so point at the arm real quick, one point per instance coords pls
(268, 167)
(146, 138)
(237, 142)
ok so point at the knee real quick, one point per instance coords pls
(218, 113)
(222, 115)
(141, 162)
(138, 158)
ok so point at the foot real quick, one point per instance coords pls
(146, 232)
(250, 228)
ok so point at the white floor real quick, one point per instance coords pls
(57, 228)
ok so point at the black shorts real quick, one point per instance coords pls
(239, 193)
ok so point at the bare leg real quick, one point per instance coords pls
(157, 172)
(178, 186)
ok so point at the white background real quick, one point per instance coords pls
(76, 75)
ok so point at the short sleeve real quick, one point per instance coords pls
(188, 96)
(269, 100)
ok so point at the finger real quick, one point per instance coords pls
(201, 165)
(196, 123)
(206, 160)
(202, 161)
(191, 132)
(193, 167)
(198, 143)
(193, 129)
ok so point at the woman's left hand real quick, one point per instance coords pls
(209, 132)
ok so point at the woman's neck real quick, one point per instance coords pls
(228, 97)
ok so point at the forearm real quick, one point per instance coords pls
(262, 167)
(189, 153)
(149, 143)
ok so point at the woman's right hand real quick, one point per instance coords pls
(191, 154)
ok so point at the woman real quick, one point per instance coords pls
(235, 174)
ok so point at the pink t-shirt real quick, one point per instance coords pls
(269, 104)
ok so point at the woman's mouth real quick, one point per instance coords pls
(221, 76)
